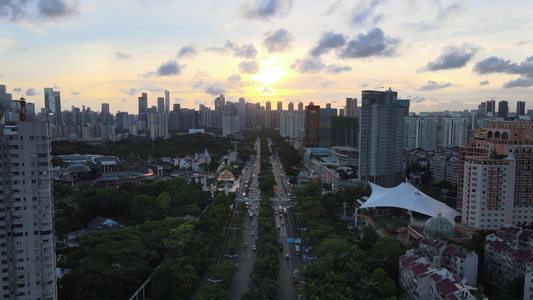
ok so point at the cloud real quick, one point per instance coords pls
(51, 9)
(433, 85)
(56, 87)
(31, 92)
(336, 69)
(234, 81)
(326, 83)
(75, 93)
(328, 40)
(499, 65)
(265, 9)
(219, 50)
(451, 10)
(308, 65)
(201, 74)
(178, 99)
(169, 68)
(363, 85)
(277, 41)
(484, 82)
(130, 91)
(524, 42)
(452, 57)
(186, 51)
(416, 99)
(199, 84)
(334, 7)
(249, 67)
(124, 100)
(373, 44)
(16, 10)
(519, 82)
(314, 65)
(363, 13)
(17, 90)
(216, 88)
(122, 55)
(246, 51)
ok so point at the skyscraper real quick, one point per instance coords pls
(503, 109)
(280, 106)
(520, 108)
(491, 108)
(143, 108)
(167, 102)
(326, 117)
(52, 105)
(290, 106)
(26, 225)
(312, 126)
(268, 105)
(351, 107)
(160, 105)
(300, 106)
(381, 149)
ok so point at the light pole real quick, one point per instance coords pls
(238, 213)
(234, 228)
(231, 256)
(303, 230)
(297, 215)
(344, 204)
(214, 281)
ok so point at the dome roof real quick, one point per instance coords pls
(77, 169)
(439, 227)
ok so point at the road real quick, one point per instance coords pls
(246, 256)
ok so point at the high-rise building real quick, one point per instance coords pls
(491, 108)
(300, 106)
(405, 103)
(292, 124)
(105, 116)
(455, 132)
(495, 181)
(52, 105)
(381, 134)
(421, 132)
(167, 102)
(26, 224)
(520, 108)
(351, 107)
(344, 131)
(312, 126)
(241, 113)
(160, 105)
(326, 117)
(280, 106)
(290, 107)
(503, 109)
(268, 105)
(143, 108)
(230, 125)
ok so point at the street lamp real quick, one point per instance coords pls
(214, 281)
(297, 215)
(230, 256)
(238, 213)
(234, 228)
(303, 230)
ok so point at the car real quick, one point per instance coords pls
(283, 224)
(245, 245)
(256, 239)
(253, 232)
(286, 255)
(254, 248)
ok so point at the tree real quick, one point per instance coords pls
(57, 161)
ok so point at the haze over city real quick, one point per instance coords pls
(440, 54)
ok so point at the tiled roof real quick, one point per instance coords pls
(420, 268)
(446, 286)
(405, 261)
(523, 254)
(497, 244)
(450, 249)
(526, 234)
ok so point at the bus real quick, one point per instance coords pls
(297, 249)
(285, 211)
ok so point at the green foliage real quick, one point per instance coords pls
(177, 145)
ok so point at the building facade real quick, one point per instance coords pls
(381, 135)
(495, 184)
(27, 243)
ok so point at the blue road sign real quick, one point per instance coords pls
(298, 241)
(290, 240)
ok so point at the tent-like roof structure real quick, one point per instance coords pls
(406, 196)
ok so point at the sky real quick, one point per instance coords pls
(443, 55)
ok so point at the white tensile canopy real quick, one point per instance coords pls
(406, 196)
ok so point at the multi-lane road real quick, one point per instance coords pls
(289, 260)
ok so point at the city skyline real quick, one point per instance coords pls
(442, 55)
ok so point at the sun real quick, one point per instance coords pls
(271, 72)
